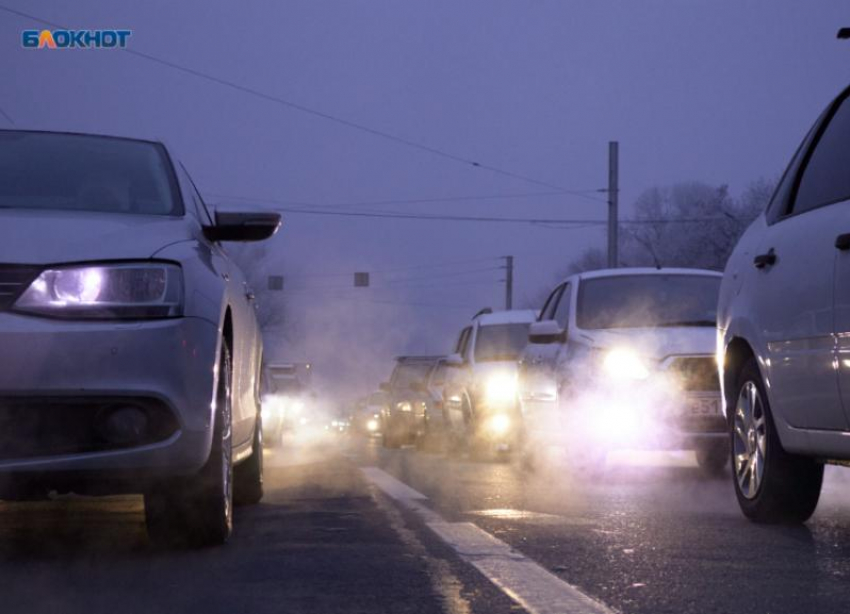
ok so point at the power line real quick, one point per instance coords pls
(563, 223)
(406, 201)
(412, 287)
(436, 217)
(415, 267)
(405, 282)
(7, 116)
(320, 114)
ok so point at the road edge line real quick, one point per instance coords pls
(532, 586)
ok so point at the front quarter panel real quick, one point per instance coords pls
(203, 279)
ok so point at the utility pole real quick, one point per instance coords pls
(613, 190)
(509, 282)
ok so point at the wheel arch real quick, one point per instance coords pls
(738, 351)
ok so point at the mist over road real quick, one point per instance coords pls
(652, 535)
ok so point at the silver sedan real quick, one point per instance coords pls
(129, 349)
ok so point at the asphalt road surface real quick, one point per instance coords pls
(349, 527)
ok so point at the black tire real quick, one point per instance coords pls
(198, 511)
(790, 485)
(390, 441)
(248, 475)
(429, 440)
(454, 447)
(480, 450)
(713, 459)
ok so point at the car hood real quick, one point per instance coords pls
(53, 237)
(484, 369)
(657, 343)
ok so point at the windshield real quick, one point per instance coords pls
(500, 341)
(439, 374)
(410, 372)
(284, 385)
(640, 301)
(71, 172)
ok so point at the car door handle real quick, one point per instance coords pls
(765, 260)
(250, 296)
(842, 242)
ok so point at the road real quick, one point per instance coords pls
(350, 527)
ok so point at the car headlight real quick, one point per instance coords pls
(501, 388)
(404, 406)
(108, 291)
(625, 364)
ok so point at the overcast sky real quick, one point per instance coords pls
(715, 91)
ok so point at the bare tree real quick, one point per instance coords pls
(690, 224)
(685, 225)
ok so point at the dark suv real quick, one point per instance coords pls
(403, 417)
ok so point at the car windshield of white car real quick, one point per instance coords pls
(641, 301)
(285, 385)
(409, 373)
(70, 172)
(500, 341)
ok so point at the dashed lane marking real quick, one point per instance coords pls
(533, 587)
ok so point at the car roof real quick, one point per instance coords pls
(418, 358)
(636, 271)
(513, 316)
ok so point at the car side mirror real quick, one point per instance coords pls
(546, 331)
(385, 386)
(454, 360)
(247, 226)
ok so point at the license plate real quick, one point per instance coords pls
(703, 407)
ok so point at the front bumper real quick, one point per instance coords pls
(628, 419)
(75, 366)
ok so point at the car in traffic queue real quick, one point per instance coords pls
(130, 353)
(626, 359)
(784, 331)
(407, 398)
(431, 429)
(366, 414)
(480, 399)
(285, 403)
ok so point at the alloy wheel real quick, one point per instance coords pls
(749, 440)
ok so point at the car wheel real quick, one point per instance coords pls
(453, 445)
(480, 449)
(198, 511)
(390, 441)
(428, 440)
(712, 459)
(772, 485)
(248, 475)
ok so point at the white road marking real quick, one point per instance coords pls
(533, 587)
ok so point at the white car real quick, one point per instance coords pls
(129, 348)
(784, 331)
(480, 405)
(623, 359)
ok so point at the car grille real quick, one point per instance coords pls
(697, 373)
(14, 279)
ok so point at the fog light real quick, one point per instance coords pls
(125, 425)
(499, 425)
